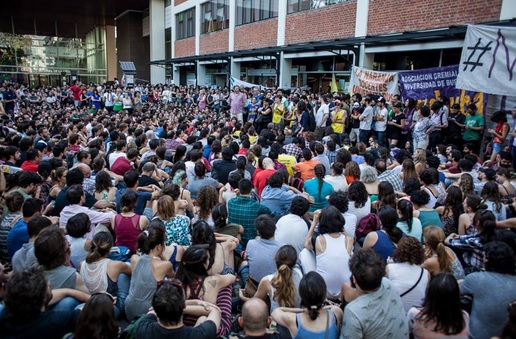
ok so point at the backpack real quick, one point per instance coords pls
(311, 121)
(297, 182)
(367, 224)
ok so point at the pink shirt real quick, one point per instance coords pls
(237, 102)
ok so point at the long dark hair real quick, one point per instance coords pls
(407, 212)
(202, 234)
(192, 271)
(320, 172)
(389, 219)
(453, 203)
(442, 305)
(486, 221)
(312, 290)
(490, 192)
(386, 194)
(97, 319)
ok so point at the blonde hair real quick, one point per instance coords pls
(283, 282)
(434, 241)
(166, 208)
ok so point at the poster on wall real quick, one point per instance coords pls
(488, 59)
(431, 83)
(366, 81)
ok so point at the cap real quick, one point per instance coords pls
(381, 99)
(489, 172)
(398, 104)
(356, 105)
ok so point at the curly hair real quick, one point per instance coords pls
(466, 184)
(358, 194)
(352, 169)
(207, 199)
(368, 175)
(409, 250)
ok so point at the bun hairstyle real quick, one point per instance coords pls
(283, 282)
(57, 174)
(220, 215)
(100, 247)
(154, 235)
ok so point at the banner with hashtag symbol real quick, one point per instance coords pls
(488, 60)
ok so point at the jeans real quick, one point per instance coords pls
(123, 291)
(381, 138)
(363, 136)
(67, 304)
(243, 272)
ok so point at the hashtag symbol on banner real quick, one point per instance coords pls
(477, 48)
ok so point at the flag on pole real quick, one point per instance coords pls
(334, 87)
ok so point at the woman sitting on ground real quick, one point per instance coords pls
(207, 199)
(314, 320)
(104, 189)
(147, 269)
(282, 287)
(385, 240)
(97, 318)
(451, 210)
(409, 224)
(177, 226)
(101, 274)
(440, 258)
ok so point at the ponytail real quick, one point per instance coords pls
(313, 311)
(320, 172)
(153, 236)
(100, 247)
(445, 263)
(283, 282)
(144, 243)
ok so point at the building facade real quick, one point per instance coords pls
(295, 43)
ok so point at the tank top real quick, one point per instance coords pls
(332, 264)
(127, 230)
(303, 332)
(142, 288)
(96, 278)
(499, 130)
(384, 246)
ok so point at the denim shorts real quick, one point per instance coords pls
(497, 147)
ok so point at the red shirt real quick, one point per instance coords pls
(121, 165)
(76, 92)
(29, 166)
(260, 180)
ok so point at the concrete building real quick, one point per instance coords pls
(291, 43)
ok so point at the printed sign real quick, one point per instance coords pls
(366, 81)
(488, 59)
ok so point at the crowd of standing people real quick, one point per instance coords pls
(196, 212)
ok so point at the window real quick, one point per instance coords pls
(185, 24)
(303, 5)
(255, 10)
(215, 16)
(168, 43)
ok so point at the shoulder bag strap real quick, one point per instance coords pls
(417, 283)
(327, 323)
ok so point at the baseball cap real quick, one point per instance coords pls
(489, 172)
(356, 105)
(381, 99)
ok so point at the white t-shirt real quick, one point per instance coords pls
(366, 123)
(339, 183)
(360, 212)
(291, 229)
(403, 276)
(324, 109)
(381, 126)
(350, 225)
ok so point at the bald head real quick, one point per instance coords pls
(85, 169)
(255, 317)
(268, 163)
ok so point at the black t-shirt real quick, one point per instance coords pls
(148, 327)
(146, 181)
(50, 324)
(221, 169)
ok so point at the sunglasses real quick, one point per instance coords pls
(172, 282)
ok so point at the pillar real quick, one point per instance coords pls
(157, 39)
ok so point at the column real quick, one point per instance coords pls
(285, 71)
(201, 74)
(157, 39)
(232, 24)
(361, 18)
(282, 21)
(364, 59)
(110, 49)
(235, 70)
(198, 20)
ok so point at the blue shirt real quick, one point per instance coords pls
(312, 188)
(143, 197)
(17, 237)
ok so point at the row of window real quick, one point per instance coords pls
(215, 13)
